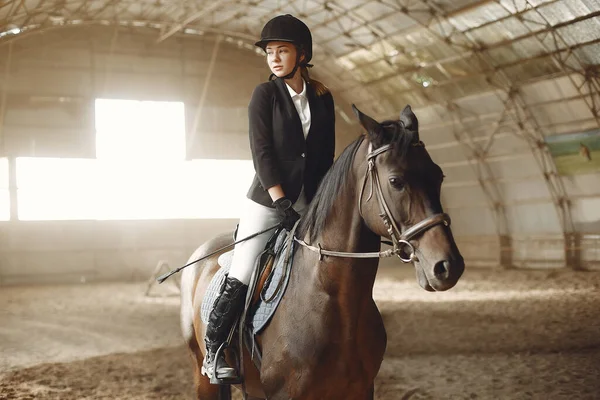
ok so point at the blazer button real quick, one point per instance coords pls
(303, 155)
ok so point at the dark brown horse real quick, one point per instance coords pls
(327, 339)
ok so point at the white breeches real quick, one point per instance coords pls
(255, 217)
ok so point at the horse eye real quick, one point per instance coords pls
(396, 182)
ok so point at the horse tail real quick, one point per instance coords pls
(189, 277)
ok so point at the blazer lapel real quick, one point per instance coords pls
(289, 106)
(311, 96)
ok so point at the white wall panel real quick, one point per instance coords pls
(484, 103)
(586, 214)
(507, 142)
(76, 251)
(471, 221)
(435, 125)
(136, 86)
(562, 112)
(52, 114)
(533, 219)
(518, 166)
(548, 90)
(463, 196)
(460, 173)
(54, 82)
(585, 184)
(544, 251)
(49, 142)
(522, 191)
(448, 154)
(134, 62)
(479, 251)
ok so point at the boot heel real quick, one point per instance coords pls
(217, 379)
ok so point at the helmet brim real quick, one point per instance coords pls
(264, 42)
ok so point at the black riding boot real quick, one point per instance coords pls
(221, 319)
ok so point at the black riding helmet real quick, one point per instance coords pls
(287, 28)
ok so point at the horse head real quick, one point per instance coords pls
(400, 199)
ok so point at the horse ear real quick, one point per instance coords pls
(371, 126)
(409, 119)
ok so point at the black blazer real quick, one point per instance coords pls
(280, 153)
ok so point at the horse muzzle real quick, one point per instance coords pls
(443, 275)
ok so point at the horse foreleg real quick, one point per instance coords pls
(204, 389)
(371, 395)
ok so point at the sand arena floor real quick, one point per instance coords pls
(496, 335)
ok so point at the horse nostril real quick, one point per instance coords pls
(441, 269)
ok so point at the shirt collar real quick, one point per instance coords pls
(293, 92)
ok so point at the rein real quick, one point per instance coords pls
(400, 240)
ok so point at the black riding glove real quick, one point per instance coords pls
(287, 215)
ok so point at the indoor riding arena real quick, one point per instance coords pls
(124, 147)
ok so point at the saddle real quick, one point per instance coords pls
(265, 291)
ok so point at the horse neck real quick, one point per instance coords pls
(345, 231)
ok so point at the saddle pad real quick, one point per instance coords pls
(214, 288)
(261, 312)
(225, 259)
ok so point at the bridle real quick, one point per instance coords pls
(400, 240)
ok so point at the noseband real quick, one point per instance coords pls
(400, 240)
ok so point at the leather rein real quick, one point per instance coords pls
(400, 240)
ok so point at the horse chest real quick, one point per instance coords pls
(322, 354)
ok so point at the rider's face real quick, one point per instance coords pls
(281, 57)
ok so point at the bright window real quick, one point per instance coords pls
(216, 188)
(4, 194)
(71, 189)
(128, 130)
(56, 188)
(140, 172)
(191, 189)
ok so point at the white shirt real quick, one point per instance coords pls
(301, 102)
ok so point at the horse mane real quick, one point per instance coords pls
(333, 182)
(335, 179)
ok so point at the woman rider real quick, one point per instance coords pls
(292, 140)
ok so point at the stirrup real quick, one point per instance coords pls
(208, 369)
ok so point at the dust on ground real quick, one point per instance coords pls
(499, 334)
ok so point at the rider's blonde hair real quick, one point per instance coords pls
(319, 87)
